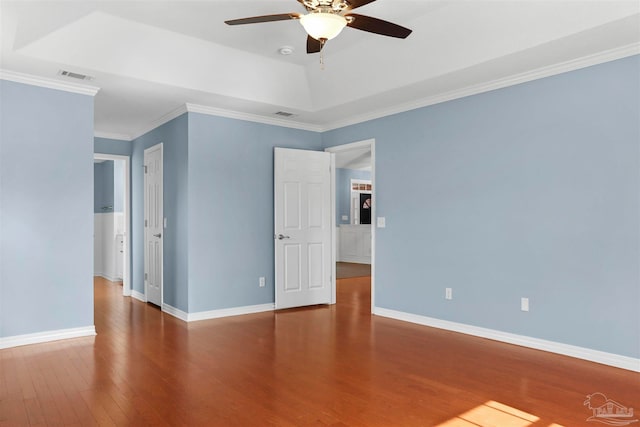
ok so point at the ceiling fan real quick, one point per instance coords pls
(326, 18)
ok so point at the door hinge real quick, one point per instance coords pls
(145, 168)
(145, 276)
(145, 223)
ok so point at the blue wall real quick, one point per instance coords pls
(173, 136)
(218, 201)
(103, 187)
(528, 191)
(118, 185)
(231, 209)
(343, 191)
(108, 186)
(46, 210)
(112, 146)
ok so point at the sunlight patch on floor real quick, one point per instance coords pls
(493, 414)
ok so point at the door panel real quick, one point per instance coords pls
(302, 200)
(153, 223)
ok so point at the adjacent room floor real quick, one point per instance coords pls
(318, 366)
(345, 270)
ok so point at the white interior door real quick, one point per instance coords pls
(153, 221)
(302, 200)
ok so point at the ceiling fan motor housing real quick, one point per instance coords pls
(334, 5)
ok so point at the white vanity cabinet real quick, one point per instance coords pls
(354, 243)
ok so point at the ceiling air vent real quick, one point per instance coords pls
(73, 75)
(284, 114)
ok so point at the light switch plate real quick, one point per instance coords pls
(382, 223)
(345, 217)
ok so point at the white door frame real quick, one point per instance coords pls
(157, 146)
(126, 264)
(337, 149)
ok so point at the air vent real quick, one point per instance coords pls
(284, 114)
(73, 75)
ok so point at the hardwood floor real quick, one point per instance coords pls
(346, 270)
(321, 366)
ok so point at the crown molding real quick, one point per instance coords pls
(567, 66)
(116, 136)
(220, 112)
(160, 121)
(552, 70)
(48, 83)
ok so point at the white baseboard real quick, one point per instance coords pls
(611, 359)
(139, 296)
(215, 314)
(175, 312)
(227, 312)
(41, 337)
(107, 277)
(355, 259)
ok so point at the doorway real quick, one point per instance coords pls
(112, 220)
(353, 240)
(153, 225)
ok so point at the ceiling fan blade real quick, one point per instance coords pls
(378, 26)
(313, 45)
(264, 18)
(357, 3)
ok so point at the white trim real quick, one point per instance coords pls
(334, 229)
(216, 314)
(41, 337)
(175, 312)
(221, 112)
(138, 295)
(108, 135)
(107, 277)
(48, 83)
(160, 121)
(227, 312)
(563, 67)
(597, 356)
(552, 70)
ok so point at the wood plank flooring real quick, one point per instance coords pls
(320, 366)
(345, 270)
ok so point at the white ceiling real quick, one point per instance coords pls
(150, 58)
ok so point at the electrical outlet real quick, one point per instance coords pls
(448, 293)
(524, 304)
(262, 282)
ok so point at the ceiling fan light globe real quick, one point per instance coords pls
(323, 26)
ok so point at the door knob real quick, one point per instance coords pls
(282, 237)
(159, 235)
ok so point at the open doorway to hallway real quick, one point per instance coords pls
(111, 219)
(354, 201)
